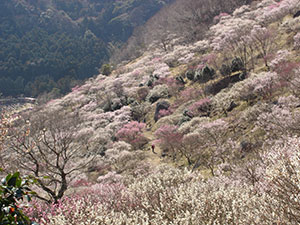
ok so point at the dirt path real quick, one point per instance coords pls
(154, 159)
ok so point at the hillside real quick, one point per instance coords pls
(222, 114)
(50, 45)
(181, 22)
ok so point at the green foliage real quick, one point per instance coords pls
(237, 65)
(106, 69)
(47, 55)
(225, 70)
(205, 74)
(190, 75)
(59, 38)
(13, 190)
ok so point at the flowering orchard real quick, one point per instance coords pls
(169, 195)
(229, 157)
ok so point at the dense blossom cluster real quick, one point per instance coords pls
(132, 133)
(281, 119)
(271, 11)
(232, 32)
(169, 195)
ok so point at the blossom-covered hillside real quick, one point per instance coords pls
(203, 133)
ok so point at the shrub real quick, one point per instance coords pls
(205, 74)
(217, 86)
(106, 69)
(237, 65)
(13, 190)
(225, 70)
(190, 75)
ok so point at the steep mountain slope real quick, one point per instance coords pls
(183, 21)
(43, 42)
(223, 113)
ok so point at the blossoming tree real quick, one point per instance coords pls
(46, 145)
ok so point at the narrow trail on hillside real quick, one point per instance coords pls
(153, 158)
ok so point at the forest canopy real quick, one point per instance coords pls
(50, 45)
